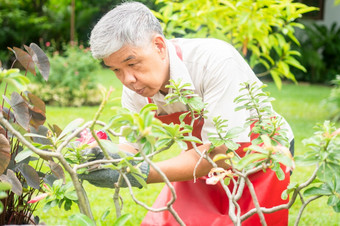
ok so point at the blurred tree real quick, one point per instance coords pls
(49, 21)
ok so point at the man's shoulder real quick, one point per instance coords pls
(206, 48)
(205, 43)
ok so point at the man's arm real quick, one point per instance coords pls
(181, 167)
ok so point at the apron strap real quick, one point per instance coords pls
(178, 49)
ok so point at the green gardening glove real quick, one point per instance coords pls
(107, 177)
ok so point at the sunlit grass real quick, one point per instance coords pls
(299, 104)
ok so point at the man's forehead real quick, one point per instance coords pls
(124, 54)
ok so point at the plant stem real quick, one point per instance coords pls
(116, 197)
(255, 200)
(303, 207)
(83, 203)
(283, 206)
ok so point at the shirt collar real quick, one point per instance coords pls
(178, 70)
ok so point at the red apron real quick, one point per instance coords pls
(201, 204)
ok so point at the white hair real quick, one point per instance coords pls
(130, 23)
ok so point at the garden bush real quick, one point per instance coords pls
(262, 31)
(333, 101)
(320, 48)
(72, 81)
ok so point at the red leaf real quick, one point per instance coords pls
(11, 178)
(30, 174)
(20, 109)
(2, 130)
(40, 59)
(38, 110)
(24, 58)
(57, 170)
(5, 155)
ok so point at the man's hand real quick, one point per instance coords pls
(107, 178)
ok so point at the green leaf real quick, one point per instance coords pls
(23, 155)
(105, 214)
(266, 140)
(67, 204)
(248, 159)
(219, 157)
(337, 207)
(284, 159)
(231, 145)
(81, 220)
(182, 116)
(291, 187)
(182, 145)
(3, 194)
(333, 200)
(122, 220)
(327, 170)
(70, 127)
(306, 160)
(227, 180)
(47, 207)
(279, 172)
(5, 186)
(72, 195)
(109, 146)
(192, 139)
(322, 190)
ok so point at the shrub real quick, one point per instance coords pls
(333, 101)
(320, 48)
(262, 31)
(73, 82)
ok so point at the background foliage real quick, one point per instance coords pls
(39, 21)
(262, 31)
(320, 48)
(72, 81)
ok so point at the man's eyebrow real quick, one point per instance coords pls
(129, 58)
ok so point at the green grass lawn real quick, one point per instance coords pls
(299, 104)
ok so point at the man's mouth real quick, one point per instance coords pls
(140, 91)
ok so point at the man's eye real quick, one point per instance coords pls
(131, 65)
(115, 70)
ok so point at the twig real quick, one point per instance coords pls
(256, 201)
(116, 196)
(303, 207)
(23, 140)
(283, 206)
(84, 205)
(168, 207)
(198, 162)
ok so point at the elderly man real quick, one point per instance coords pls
(131, 43)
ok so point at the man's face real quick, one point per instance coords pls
(144, 70)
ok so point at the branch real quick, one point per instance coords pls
(283, 206)
(255, 200)
(303, 207)
(169, 204)
(72, 135)
(83, 203)
(25, 142)
(197, 164)
(116, 197)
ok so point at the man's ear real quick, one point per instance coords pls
(160, 45)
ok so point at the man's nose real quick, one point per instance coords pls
(129, 77)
